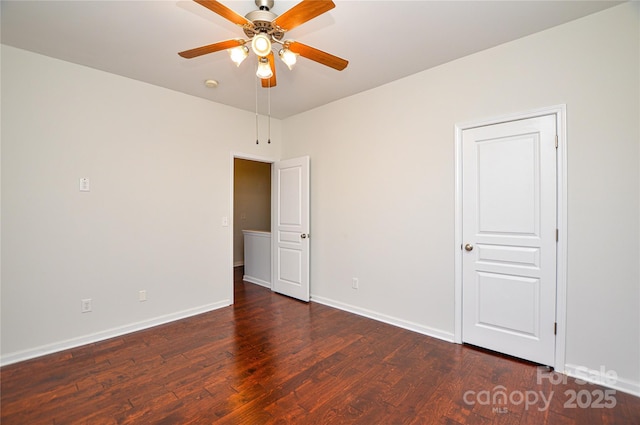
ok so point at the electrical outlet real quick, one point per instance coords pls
(354, 283)
(85, 306)
(142, 295)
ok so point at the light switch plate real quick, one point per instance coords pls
(84, 184)
(85, 306)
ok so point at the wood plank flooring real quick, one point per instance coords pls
(273, 360)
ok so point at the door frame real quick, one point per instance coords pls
(561, 221)
(256, 158)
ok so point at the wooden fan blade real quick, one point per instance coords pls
(224, 11)
(302, 12)
(210, 48)
(318, 55)
(270, 82)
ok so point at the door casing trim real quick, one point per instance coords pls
(561, 218)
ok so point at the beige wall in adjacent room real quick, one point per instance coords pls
(251, 202)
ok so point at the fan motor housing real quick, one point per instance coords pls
(261, 20)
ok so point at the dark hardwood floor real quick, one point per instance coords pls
(273, 360)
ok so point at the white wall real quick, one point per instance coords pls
(383, 183)
(159, 166)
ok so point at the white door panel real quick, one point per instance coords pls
(508, 302)
(289, 199)
(509, 233)
(291, 228)
(508, 175)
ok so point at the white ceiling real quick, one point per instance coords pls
(383, 41)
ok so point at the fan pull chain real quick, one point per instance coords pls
(257, 82)
(269, 120)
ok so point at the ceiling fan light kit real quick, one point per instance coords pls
(264, 28)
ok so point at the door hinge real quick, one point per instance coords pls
(555, 328)
(556, 141)
(557, 235)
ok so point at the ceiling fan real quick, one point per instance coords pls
(264, 29)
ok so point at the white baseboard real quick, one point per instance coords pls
(238, 263)
(43, 350)
(603, 377)
(415, 327)
(257, 281)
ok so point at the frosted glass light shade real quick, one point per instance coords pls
(264, 69)
(261, 45)
(288, 57)
(238, 54)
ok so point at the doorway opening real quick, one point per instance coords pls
(288, 256)
(251, 212)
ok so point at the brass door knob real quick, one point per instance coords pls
(468, 247)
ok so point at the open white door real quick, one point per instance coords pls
(290, 232)
(509, 232)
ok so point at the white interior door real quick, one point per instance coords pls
(509, 238)
(291, 228)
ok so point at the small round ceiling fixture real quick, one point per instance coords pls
(212, 84)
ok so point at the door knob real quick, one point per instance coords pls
(468, 247)
(303, 236)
